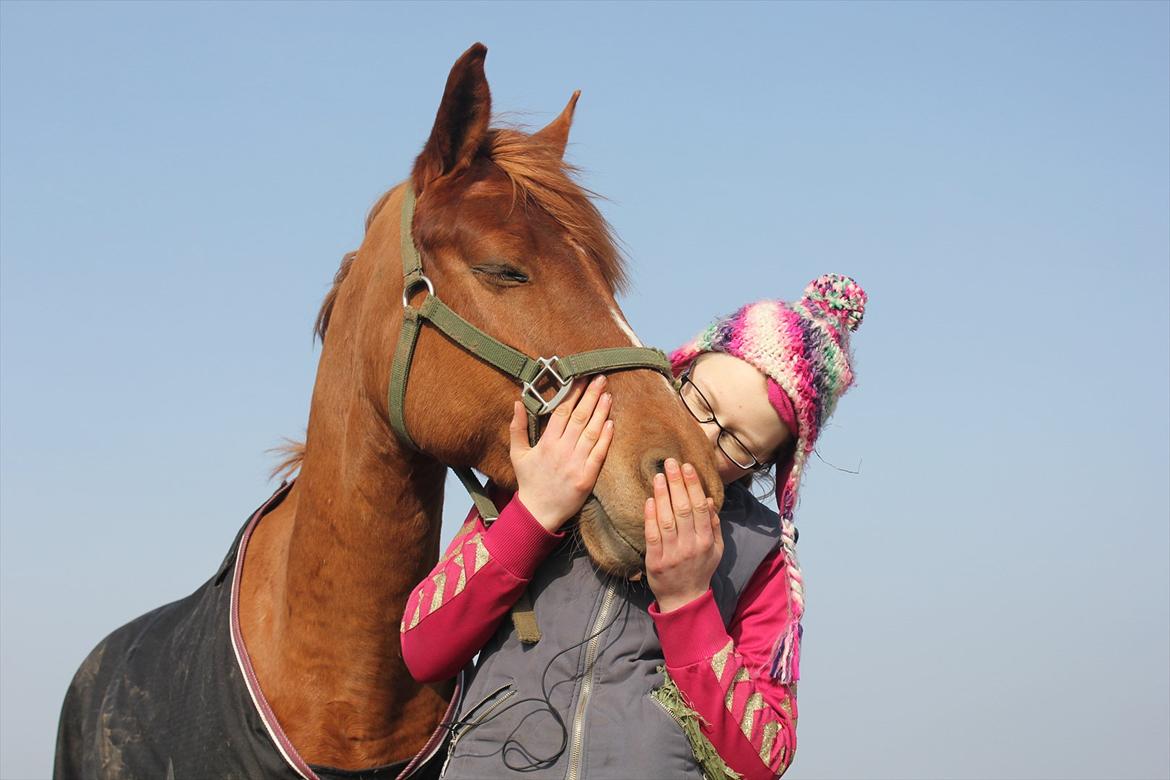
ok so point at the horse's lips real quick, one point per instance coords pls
(594, 505)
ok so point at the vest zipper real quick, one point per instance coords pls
(666, 709)
(578, 729)
(468, 725)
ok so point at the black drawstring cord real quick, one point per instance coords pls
(534, 763)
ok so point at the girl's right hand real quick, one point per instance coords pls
(558, 474)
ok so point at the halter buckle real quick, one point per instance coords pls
(411, 284)
(563, 385)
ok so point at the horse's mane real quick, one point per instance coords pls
(539, 175)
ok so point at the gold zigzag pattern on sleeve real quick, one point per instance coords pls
(440, 581)
(719, 660)
(465, 529)
(481, 553)
(441, 593)
(755, 703)
(456, 552)
(461, 583)
(770, 729)
(741, 675)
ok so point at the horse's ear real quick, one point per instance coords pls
(461, 124)
(556, 133)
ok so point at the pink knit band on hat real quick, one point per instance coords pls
(783, 406)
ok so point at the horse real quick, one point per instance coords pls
(287, 662)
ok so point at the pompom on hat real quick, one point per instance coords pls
(803, 350)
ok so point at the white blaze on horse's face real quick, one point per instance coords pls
(620, 319)
(625, 326)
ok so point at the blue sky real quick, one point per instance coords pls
(988, 596)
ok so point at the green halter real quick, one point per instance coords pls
(527, 371)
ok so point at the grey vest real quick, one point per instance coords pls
(577, 704)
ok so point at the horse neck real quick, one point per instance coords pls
(330, 572)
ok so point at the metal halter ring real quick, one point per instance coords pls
(406, 291)
(546, 367)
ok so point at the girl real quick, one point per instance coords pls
(691, 671)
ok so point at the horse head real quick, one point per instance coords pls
(516, 247)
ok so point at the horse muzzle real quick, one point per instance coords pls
(617, 548)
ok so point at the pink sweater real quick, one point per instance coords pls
(722, 671)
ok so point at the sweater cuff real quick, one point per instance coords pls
(518, 542)
(692, 633)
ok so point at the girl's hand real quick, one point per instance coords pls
(683, 541)
(558, 474)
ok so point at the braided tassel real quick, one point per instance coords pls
(786, 658)
(785, 665)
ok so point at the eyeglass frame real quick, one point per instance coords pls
(685, 379)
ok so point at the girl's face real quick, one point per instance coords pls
(737, 394)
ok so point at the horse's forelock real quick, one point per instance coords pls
(538, 172)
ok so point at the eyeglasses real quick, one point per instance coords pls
(700, 408)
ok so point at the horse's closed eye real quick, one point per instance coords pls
(501, 274)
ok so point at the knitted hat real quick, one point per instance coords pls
(803, 350)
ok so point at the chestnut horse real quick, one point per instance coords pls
(517, 248)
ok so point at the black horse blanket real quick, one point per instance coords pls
(173, 695)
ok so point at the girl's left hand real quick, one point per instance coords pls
(683, 541)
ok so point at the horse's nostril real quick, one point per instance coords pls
(654, 462)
